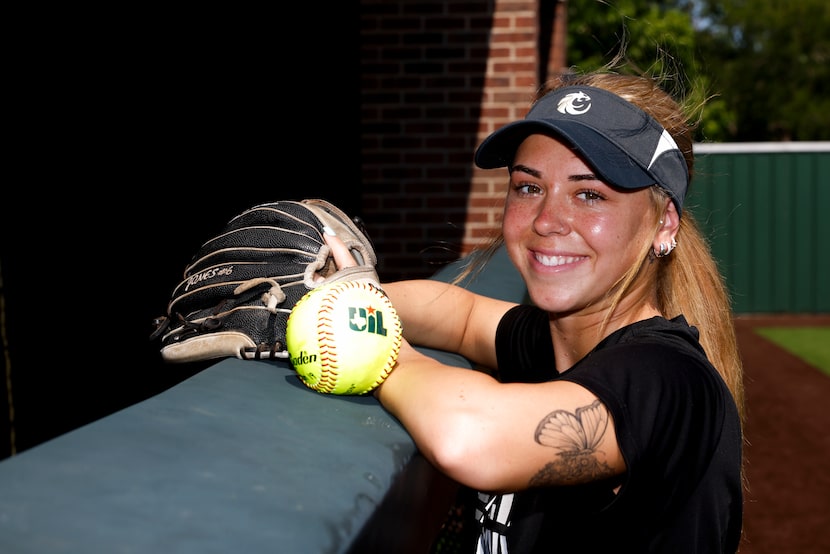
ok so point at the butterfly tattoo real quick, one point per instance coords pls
(576, 437)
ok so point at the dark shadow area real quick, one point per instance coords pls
(145, 137)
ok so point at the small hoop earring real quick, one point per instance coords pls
(665, 249)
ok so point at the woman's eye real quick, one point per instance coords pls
(590, 195)
(526, 188)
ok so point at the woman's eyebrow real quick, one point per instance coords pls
(538, 174)
(526, 169)
(584, 177)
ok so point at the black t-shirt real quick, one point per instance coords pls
(677, 427)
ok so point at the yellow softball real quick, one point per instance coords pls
(343, 337)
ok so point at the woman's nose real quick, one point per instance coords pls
(550, 220)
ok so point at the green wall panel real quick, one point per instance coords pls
(822, 232)
(765, 213)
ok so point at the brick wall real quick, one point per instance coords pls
(436, 78)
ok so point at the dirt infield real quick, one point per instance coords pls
(787, 507)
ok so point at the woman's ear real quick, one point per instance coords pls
(664, 239)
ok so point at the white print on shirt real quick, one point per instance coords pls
(493, 514)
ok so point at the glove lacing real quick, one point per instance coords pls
(271, 298)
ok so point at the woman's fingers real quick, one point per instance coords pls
(342, 256)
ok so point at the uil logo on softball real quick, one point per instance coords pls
(369, 320)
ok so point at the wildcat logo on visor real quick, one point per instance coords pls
(575, 103)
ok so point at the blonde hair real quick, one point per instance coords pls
(688, 281)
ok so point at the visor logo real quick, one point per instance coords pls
(575, 103)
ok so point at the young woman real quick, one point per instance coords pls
(612, 418)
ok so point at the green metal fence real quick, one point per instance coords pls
(764, 207)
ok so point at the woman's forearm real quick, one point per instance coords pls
(434, 314)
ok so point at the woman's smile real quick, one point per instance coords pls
(556, 261)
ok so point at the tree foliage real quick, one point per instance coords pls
(760, 67)
(771, 61)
